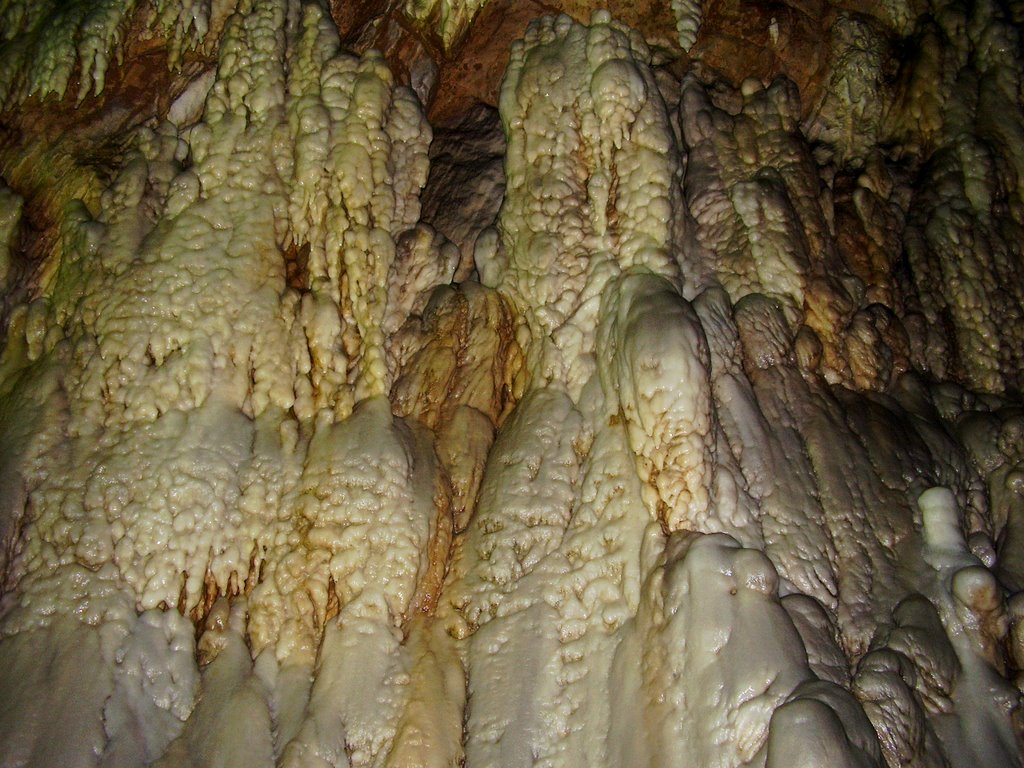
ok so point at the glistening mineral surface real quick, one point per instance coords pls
(450, 383)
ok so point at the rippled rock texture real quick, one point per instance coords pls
(493, 383)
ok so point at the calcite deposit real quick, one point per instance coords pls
(485, 383)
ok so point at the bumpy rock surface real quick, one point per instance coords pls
(442, 383)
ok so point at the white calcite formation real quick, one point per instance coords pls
(450, 18)
(50, 46)
(688, 16)
(695, 440)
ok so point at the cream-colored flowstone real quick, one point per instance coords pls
(580, 647)
(963, 241)
(200, 338)
(592, 177)
(672, 476)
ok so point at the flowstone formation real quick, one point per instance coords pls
(657, 405)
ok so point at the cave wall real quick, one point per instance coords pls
(501, 384)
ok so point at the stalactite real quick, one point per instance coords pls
(660, 406)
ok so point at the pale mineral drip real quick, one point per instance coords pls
(672, 418)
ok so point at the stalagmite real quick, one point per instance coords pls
(658, 405)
